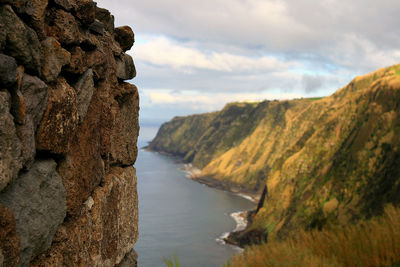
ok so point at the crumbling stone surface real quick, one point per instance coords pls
(54, 57)
(10, 243)
(68, 132)
(10, 145)
(8, 71)
(105, 229)
(84, 89)
(125, 37)
(22, 42)
(125, 67)
(60, 120)
(37, 200)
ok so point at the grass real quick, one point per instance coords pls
(375, 242)
(172, 263)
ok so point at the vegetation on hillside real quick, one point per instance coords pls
(375, 242)
(329, 161)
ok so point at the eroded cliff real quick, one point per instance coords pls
(313, 161)
(68, 133)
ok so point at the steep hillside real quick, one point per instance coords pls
(318, 161)
(68, 132)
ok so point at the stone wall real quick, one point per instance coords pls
(68, 133)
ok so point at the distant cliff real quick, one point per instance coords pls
(69, 126)
(312, 161)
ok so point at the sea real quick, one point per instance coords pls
(179, 217)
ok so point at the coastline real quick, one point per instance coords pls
(240, 217)
(195, 175)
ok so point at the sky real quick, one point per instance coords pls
(194, 56)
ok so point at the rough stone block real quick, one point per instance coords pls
(60, 119)
(35, 95)
(125, 37)
(97, 27)
(83, 168)
(9, 239)
(38, 200)
(22, 42)
(26, 134)
(63, 27)
(85, 11)
(104, 231)
(8, 71)
(18, 106)
(104, 16)
(125, 67)
(10, 146)
(84, 90)
(77, 64)
(54, 57)
(34, 11)
(126, 127)
(66, 4)
(130, 260)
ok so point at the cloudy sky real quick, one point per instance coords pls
(194, 56)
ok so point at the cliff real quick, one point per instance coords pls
(69, 126)
(313, 162)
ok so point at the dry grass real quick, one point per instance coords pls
(375, 242)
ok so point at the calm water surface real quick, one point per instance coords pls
(178, 216)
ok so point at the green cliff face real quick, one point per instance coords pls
(321, 161)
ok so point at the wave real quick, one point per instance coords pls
(221, 238)
(246, 197)
(190, 171)
(240, 219)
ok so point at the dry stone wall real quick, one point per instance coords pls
(68, 134)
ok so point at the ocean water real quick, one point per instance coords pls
(180, 217)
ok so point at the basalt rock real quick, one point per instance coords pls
(125, 67)
(68, 131)
(35, 93)
(37, 200)
(10, 243)
(22, 42)
(130, 260)
(10, 145)
(123, 146)
(64, 27)
(97, 27)
(35, 97)
(105, 229)
(54, 57)
(125, 37)
(77, 64)
(34, 11)
(8, 71)
(18, 106)
(104, 16)
(60, 120)
(84, 90)
(85, 11)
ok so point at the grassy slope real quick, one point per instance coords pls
(322, 161)
(344, 164)
(375, 242)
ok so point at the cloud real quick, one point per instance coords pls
(164, 52)
(312, 83)
(198, 53)
(206, 101)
